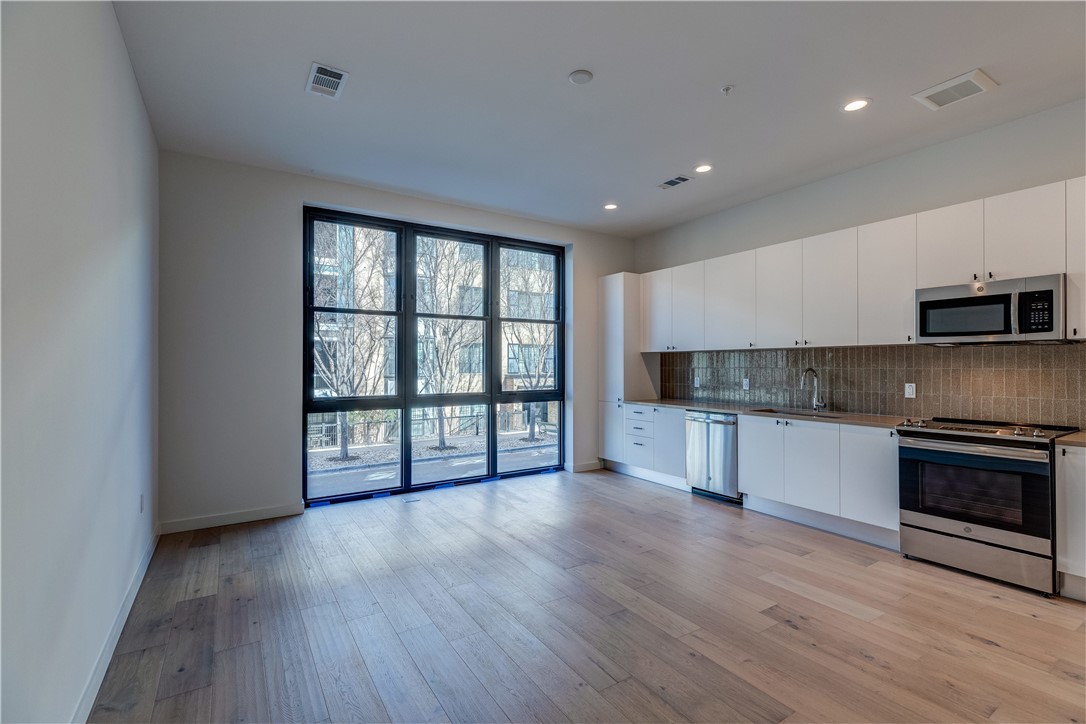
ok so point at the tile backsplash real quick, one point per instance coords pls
(1016, 383)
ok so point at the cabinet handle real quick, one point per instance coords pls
(638, 428)
(638, 444)
(797, 342)
(909, 338)
(806, 342)
(1074, 331)
(990, 275)
(1063, 452)
(752, 343)
(778, 422)
(975, 277)
(892, 433)
(786, 423)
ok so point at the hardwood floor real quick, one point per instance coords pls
(588, 597)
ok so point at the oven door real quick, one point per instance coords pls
(997, 487)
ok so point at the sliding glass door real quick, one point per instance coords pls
(431, 356)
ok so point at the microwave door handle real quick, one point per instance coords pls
(1014, 313)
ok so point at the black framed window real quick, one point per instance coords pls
(431, 356)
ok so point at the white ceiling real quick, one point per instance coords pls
(470, 102)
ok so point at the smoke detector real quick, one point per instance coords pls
(955, 89)
(324, 80)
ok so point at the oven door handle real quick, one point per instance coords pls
(992, 451)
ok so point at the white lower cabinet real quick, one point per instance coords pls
(848, 471)
(869, 483)
(1071, 508)
(812, 466)
(639, 451)
(612, 434)
(669, 445)
(761, 457)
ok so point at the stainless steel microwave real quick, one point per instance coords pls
(1007, 310)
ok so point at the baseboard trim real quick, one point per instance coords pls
(882, 537)
(584, 467)
(238, 516)
(1073, 586)
(651, 475)
(98, 675)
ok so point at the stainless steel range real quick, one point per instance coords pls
(980, 496)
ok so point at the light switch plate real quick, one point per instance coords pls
(746, 383)
(910, 389)
(697, 382)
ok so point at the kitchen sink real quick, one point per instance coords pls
(797, 413)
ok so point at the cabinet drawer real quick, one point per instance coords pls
(644, 413)
(639, 451)
(639, 428)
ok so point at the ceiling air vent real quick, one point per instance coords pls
(955, 89)
(324, 80)
(673, 182)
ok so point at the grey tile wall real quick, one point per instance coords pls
(1027, 383)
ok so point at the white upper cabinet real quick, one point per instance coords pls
(688, 306)
(622, 371)
(950, 245)
(656, 311)
(887, 281)
(779, 295)
(1076, 258)
(1025, 233)
(829, 289)
(730, 301)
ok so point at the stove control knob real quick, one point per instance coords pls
(920, 423)
(1018, 432)
(1038, 433)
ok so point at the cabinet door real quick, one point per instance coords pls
(609, 324)
(829, 289)
(812, 465)
(730, 301)
(950, 245)
(886, 281)
(869, 483)
(656, 311)
(1076, 258)
(779, 294)
(1071, 509)
(1025, 232)
(669, 444)
(612, 433)
(688, 306)
(761, 457)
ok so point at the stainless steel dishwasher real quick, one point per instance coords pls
(712, 459)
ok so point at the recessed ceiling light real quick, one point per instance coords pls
(610, 207)
(856, 104)
(704, 168)
(580, 77)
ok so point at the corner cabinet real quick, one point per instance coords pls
(1076, 258)
(1071, 507)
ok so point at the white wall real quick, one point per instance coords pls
(79, 229)
(1044, 147)
(231, 329)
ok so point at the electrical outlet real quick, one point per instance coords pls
(910, 390)
(697, 382)
(141, 502)
(746, 383)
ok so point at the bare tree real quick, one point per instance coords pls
(354, 268)
(449, 282)
(528, 283)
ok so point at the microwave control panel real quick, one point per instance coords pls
(1035, 312)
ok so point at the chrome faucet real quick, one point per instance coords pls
(817, 403)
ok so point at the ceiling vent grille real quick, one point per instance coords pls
(324, 80)
(955, 89)
(673, 182)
